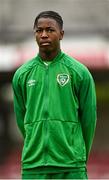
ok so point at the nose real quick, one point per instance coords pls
(44, 34)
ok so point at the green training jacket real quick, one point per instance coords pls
(55, 107)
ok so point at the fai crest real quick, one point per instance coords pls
(62, 79)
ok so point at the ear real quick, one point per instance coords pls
(34, 33)
(61, 34)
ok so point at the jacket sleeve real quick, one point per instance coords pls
(19, 106)
(87, 99)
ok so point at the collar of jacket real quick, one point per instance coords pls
(57, 58)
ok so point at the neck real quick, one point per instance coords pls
(48, 56)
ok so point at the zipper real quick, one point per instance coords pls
(46, 114)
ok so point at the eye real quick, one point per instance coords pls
(50, 30)
(38, 30)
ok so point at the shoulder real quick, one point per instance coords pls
(76, 67)
(26, 67)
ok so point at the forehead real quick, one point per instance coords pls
(48, 22)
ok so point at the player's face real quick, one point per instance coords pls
(48, 35)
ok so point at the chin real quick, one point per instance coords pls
(46, 50)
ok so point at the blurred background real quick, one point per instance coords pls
(86, 25)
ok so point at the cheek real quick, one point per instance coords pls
(56, 38)
(59, 37)
(56, 43)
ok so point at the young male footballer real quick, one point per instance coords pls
(55, 107)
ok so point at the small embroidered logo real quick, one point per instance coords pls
(62, 79)
(31, 82)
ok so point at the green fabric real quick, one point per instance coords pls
(47, 62)
(55, 108)
(66, 175)
(52, 169)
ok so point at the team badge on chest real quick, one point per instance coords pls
(62, 79)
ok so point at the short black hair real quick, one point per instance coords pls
(49, 14)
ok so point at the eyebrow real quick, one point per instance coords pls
(49, 27)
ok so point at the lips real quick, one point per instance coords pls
(46, 43)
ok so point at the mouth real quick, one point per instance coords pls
(45, 44)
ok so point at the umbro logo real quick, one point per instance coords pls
(31, 82)
(62, 79)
